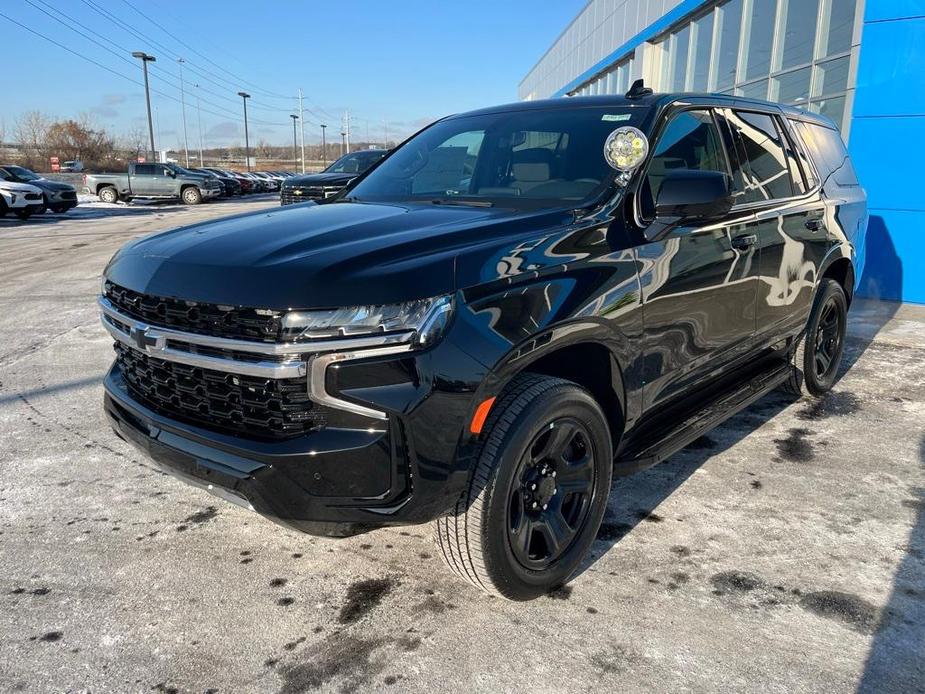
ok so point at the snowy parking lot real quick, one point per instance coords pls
(785, 551)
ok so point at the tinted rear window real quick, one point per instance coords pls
(829, 151)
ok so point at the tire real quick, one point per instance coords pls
(819, 349)
(191, 195)
(44, 208)
(498, 537)
(23, 214)
(59, 209)
(109, 195)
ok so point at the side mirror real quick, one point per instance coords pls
(691, 194)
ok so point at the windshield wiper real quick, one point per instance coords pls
(462, 203)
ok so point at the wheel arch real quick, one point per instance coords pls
(584, 357)
(840, 269)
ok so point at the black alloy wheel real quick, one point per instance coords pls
(538, 492)
(829, 339)
(818, 353)
(551, 501)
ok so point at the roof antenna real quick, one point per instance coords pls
(639, 89)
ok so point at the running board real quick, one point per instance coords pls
(727, 404)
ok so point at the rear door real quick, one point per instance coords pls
(699, 282)
(142, 179)
(789, 220)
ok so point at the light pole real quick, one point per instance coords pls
(145, 59)
(247, 145)
(199, 125)
(302, 130)
(295, 144)
(324, 147)
(183, 111)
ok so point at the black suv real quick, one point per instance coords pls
(514, 305)
(329, 182)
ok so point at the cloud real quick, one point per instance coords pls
(226, 130)
(114, 99)
(106, 107)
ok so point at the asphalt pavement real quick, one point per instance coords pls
(783, 552)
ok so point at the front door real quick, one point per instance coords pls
(699, 282)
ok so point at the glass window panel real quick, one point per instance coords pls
(679, 48)
(834, 108)
(760, 39)
(755, 90)
(799, 32)
(703, 49)
(841, 26)
(793, 87)
(833, 76)
(730, 18)
(689, 141)
(768, 175)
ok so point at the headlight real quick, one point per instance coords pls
(426, 317)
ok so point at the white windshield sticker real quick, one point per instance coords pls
(616, 117)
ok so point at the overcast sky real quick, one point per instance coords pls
(398, 61)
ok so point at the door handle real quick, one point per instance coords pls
(743, 242)
(815, 224)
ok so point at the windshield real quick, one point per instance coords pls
(18, 173)
(516, 158)
(355, 162)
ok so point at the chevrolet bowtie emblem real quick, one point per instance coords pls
(297, 192)
(141, 338)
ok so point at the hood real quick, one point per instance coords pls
(19, 187)
(52, 186)
(326, 256)
(319, 179)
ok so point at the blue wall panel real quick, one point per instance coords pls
(887, 137)
(891, 69)
(880, 10)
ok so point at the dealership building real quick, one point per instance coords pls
(859, 62)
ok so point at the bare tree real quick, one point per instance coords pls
(80, 140)
(134, 143)
(31, 134)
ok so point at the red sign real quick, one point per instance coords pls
(55, 165)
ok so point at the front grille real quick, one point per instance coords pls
(33, 196)
(69, 195)
(245, 406)
(195, 317)
(288, 196)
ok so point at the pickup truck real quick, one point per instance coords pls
(513, 306)
(156, 181)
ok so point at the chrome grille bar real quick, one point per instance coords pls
(283, 360)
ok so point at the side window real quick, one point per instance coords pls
(796, 127)
(830, 153)
(766, 169)
(796, 175)
(689, 141)
(144, 169)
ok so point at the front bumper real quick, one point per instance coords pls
(397, 453)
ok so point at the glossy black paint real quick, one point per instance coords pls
(643, 322)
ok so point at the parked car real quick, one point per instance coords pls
(22, 199)
(270, 181)
(516, 304)
(155, 181)
(73, 166)
(332, 180)
(56, 196)
(230, 186)
(231, 182)
(247, 184)
(261, 184)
